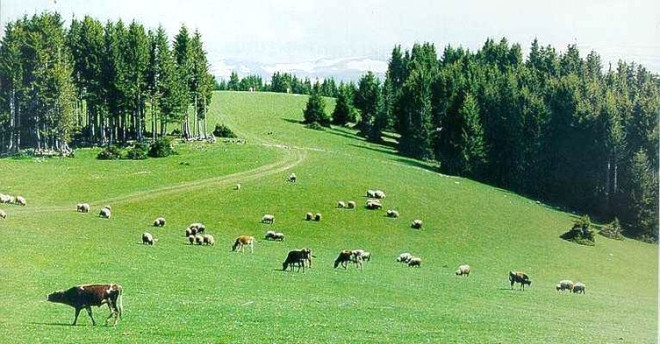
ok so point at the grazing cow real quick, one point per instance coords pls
(241, 242)
(298, 258)
(88, 295)
(519, 277)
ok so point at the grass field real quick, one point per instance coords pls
(175, 292)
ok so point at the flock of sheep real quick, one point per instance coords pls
(301, 258)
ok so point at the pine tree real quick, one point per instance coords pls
(343, 108)
(315, 109)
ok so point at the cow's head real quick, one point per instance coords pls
(57, 296)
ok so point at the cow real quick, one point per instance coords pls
(519, 277)
(345, 257)
(88, 295)
(298, 258)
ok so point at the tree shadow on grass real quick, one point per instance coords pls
(419, 164)
(292, 120)
(54, 324)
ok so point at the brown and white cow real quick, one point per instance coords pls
(519, 277)
(347, 256)
(241, 242)
(88, 295)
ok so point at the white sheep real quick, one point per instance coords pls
(404, 257)
(4, 198)
(3, 214)
(415, 261)
(199, 239)
(392, 213)
(105, 212)
(579, 288)
(82, 207)
(237, 187)
(147, 238)
(197, 228)
(371, 204)
(159, 222)
(379, 194)
(309, 216)
(565, 285)
(341, 204)
(317, 217)
(371, 194)
(463, 270)
(351, 204)
(268, 218)
(362, 255)
(208, 239)
(191, 238)
(416, 224)
(20, 200)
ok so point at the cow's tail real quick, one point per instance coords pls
(120, 306)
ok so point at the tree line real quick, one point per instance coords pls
(553, 126)
(95, 83)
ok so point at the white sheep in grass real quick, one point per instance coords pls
(105, 212)
(272, 235)
(20, 200)
(416, 224)
(371, 194)
(565, 285)
(309, 216)
(317, 217)
(82, 207)
(208, 239)
(197, 228)
(374, 205)
(4, 198)
(237, 186)
(159, 222)
(379, 194)
(148, 239)
(268, 218)
(362, 255)
(415, 261)
(3, 214)
(199, 239)
(392, 213)
(341, 204)
(351, 204)
(463, 270)
(579, 288)
(404, 257)
(191, 238)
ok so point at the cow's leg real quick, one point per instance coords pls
(512, 282)
(89, 311)
(75, 319)
(113, 312)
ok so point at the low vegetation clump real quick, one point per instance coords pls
(222, 130)
(111, 153)
(161, 148)
(581, 233)
(613, 230)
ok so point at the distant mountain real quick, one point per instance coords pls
(341, 69)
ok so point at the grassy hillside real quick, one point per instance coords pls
(174, 292)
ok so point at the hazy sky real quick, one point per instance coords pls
(299, 33)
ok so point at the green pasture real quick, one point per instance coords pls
(178, 293)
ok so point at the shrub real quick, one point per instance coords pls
(581, 233)
(161, 148)
(222, 130)
(138, 151)
(110, 153)
(315, 126)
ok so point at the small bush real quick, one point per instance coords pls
(222, 130)
(161, 148)
(315, 126)
(581, 233)
(613, 230)
(110, 153)
(138, 151)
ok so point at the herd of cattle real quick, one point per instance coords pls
(86, 296)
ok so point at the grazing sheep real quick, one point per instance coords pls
(392, 213)
(351, 204)
(271, 235)
(373, 205)
(565, 285)
(341, 204)
(147, 238)
(463, 270)
(579, 288)
(190, 231)
(191, 238)
(20, 200)
(379, 194)
(268, 218)
(416, 224)
(309, 216)
(317, 217)
(208, 239)
(159, 222)
(415, 261)
(199, 239)
(362, 255)
(345, 257)
(197, 228)
(82, 208)
(291, 178)
(237, 187)
(4, 198)
(404, 257)
(3, 214)
(105, 212)
(241, 242)
(107, 206)
(371, 194)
